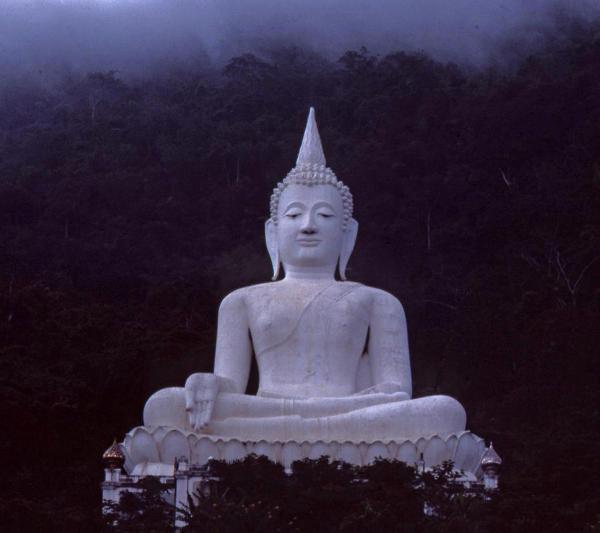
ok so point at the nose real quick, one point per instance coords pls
(308, 225)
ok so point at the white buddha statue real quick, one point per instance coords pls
(332, 356)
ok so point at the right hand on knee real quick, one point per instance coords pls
(201, 391)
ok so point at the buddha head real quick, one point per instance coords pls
(311, 228)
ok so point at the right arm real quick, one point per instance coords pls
(233, 354)
(232, 363)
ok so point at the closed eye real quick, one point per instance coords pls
(325, 215)
(292, 215)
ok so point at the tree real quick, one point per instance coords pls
(141, 511)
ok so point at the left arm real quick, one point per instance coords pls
(388, 345)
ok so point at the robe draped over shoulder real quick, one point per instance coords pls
(324, 299)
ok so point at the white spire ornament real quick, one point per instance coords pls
(311, 150)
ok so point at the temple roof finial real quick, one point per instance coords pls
(311, 150)
(490, 457)
(114, 457)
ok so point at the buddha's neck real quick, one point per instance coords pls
(309, 273)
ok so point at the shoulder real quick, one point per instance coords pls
(383, 301)
(240, 296)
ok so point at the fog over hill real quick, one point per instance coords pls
(135, 36)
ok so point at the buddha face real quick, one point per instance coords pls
(309, 228)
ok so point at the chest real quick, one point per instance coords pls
(318, 318)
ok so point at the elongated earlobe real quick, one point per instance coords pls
(349, 240)
(272, 248)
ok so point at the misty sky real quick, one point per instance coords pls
(134, 36)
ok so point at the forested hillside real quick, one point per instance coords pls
(128, 209)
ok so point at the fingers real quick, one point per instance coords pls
(209, 410)
(197, 416)
(206, 413)
(201, 390)
(200, 414)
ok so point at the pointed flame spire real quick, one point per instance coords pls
(311, 150)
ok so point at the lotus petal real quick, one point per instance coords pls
(436, 452)
(468, 452)
(143, 447)
(334, 450)
(268, 449)
(392, 447)
(174, 445)
(129, 464)
(376, 450)
(407, 452)
(234, 450)
(159, 433)
(362, 449)
(203, 450)
(451, 443)
(420, 444)
(192, 440)
(319, 449)
(350, 453)
(306, 447)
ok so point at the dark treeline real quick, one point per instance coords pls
(128, 210)
(257, 495)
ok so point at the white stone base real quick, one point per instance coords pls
(153, 451)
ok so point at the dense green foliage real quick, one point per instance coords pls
(128, 209)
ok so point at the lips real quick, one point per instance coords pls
(308, 242)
